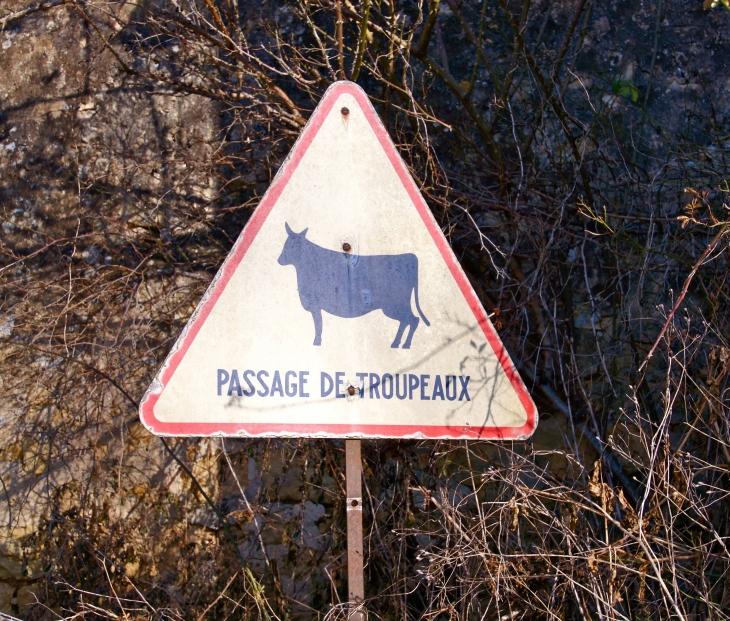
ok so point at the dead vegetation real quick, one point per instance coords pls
(584, 187)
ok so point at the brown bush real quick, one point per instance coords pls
(583, 186)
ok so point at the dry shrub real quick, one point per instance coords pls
(590, 212)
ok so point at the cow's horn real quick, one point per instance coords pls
(288, 229)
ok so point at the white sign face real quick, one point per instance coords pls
(341, 310)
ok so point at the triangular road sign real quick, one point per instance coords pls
(341, 310)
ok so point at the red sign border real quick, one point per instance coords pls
(216, 288)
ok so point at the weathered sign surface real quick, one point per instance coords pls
(341, 310)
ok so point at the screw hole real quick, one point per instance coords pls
(346, 247)
(353, 503)
(351, 390)
(345, 111)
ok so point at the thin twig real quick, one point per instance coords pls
(710, 247)
(340, 42)
(363, 41)
(33, 8)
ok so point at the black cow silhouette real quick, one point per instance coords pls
(349, 286)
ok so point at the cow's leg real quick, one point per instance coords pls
(411, 330)
(405, 317)
(399, 335)
(317, 316)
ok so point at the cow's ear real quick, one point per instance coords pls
(288, 229)
(304, 232)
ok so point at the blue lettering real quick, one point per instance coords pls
(451, 382)
(340, 382)
(290, 388)
(464, 383)
(405, 386)
(302, 381)
(424, 385)
(374, 383)
(265, 388)
(234, 385)
(387, 380)
(276, 385)
(362, 377)
(327, 391)
(251, 390)
(222, 379)
(412, 385)
(438, 389)
(295, 384)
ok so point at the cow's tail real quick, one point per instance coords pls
(418, 306)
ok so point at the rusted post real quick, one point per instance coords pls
(355, 577)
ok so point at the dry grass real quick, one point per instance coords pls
(596, 239)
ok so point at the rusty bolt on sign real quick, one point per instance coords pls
(351, 390)
(346, 247)
(345, 111)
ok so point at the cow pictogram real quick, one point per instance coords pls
(347, 285)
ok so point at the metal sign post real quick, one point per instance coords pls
(355, 575)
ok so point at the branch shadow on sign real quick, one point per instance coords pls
(479, 401)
